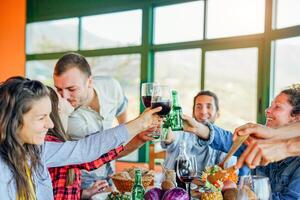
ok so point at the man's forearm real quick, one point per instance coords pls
(202, 131)
(289, 131)
(293, 146)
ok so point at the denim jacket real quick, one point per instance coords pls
(284, 175)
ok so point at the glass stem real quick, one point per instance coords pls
(188, 186)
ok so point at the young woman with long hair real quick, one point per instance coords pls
(24, 155)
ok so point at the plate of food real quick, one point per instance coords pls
(217, 183)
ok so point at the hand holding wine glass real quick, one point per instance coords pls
(161, 97)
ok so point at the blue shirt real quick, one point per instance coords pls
(284, 175)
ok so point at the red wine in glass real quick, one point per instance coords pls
(186, 179)
(166, 107)
(186, 169)
(146, 101)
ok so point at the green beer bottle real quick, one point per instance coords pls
(175, 122)
(138, 190)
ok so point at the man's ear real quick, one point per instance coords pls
(90, 82)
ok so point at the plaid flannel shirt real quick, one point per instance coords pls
(59, 174)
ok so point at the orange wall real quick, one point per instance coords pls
(12, 38)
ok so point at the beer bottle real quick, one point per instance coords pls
(176, 122)
(138, 190)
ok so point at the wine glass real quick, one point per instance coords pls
(254, 187)
(161, 96)
(146, 93)
(186, 170)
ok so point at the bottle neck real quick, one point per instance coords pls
(138, 178)
(175, 99)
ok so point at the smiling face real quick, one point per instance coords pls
(279, 112)
(36, 122)
(74, 86)
(205, 109)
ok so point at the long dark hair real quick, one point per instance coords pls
(58, 130)
(17, 95)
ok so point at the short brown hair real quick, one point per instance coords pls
(72, 60)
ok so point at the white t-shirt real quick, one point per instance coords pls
(85, 121)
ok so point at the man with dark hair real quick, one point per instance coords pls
(206, 106)
(97, 102)
(205, 110)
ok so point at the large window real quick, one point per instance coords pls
(177, 23)
(287, 63)
(287, 13)
(237, 88)
(41, 70)
(112, 30)
(235, 17)
(52, 36)
(174, 68)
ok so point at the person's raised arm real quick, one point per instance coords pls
(136, 142)
(122, 118)
(192, 126)
(90, 148)
(260, 131)
(261, 152)
(147, 120)
(268, 145)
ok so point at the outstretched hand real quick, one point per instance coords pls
(149, 119)
(195, 127)
(255, 130)
(189, 124)
(145, 136)
(261, 152)
(98, 187)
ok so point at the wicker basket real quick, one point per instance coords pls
(125, 185)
